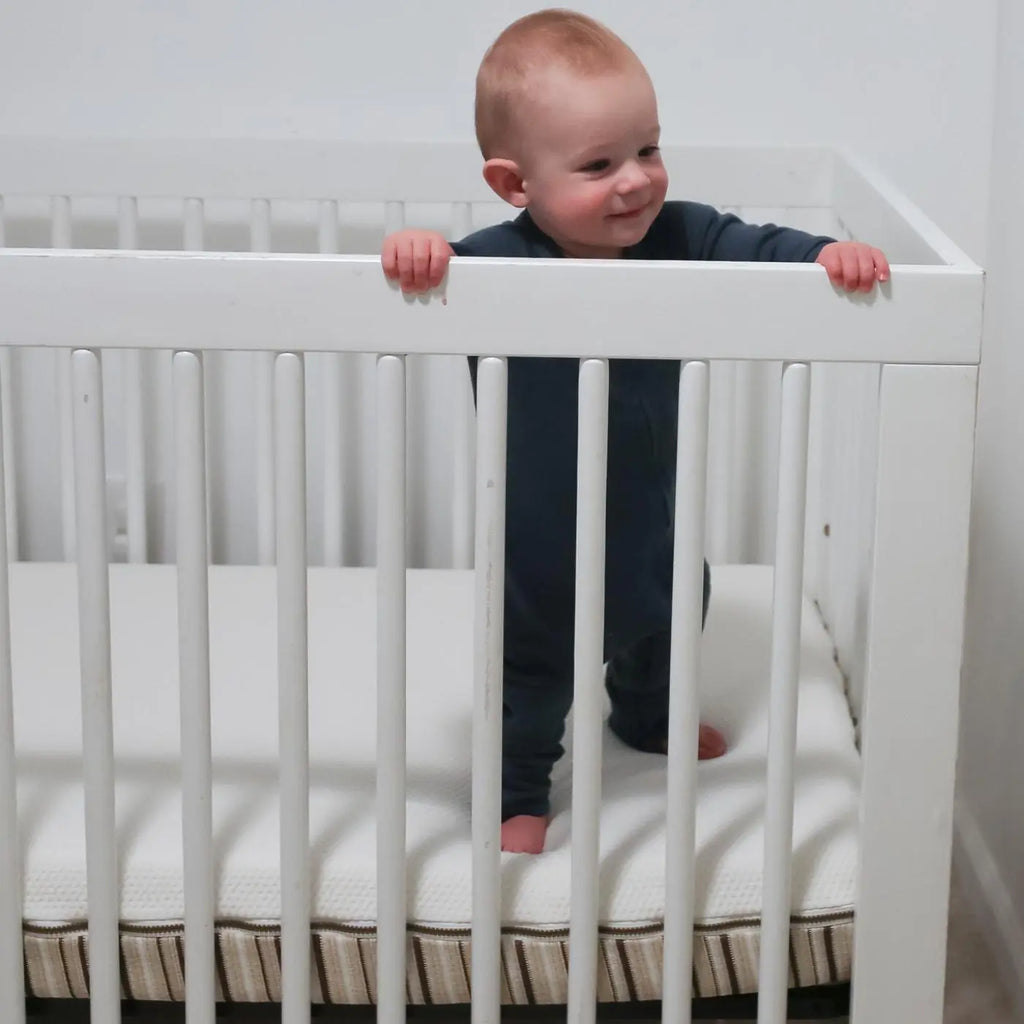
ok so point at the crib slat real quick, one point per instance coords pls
(10, 481)
(334, 459)
(192, 240)
(492, 380)
(127, 223)
(60, 238)
(390, 689)
(259, 226)
(264, 370)
(743, 463)
(462, 219)
(97, 706)
(327, 225)
(592, 463)
(134, 415)
(720, 478)
(462, 435)
(135, 457)
(462, 494)
(7, 427)
(60, 222)
(12, 978)
(8, 435)
(293, 675)
(462, 459)
(787, 603)
(391, 567)
(194, 667)
(765, 400)
(394, 217)
(193, 225)
(684, 709)
(335, 367)
(62, 366)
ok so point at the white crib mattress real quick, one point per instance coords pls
(342, 832)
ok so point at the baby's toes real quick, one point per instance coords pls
(524, 833)
(710, 744)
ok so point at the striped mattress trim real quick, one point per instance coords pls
(535, 962)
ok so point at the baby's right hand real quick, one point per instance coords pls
(416, 259)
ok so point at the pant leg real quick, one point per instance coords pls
(540, 530)
(540, 565)
(637, 677)
(637, 680)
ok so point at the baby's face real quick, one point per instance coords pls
(592, 170)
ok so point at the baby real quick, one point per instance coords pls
(567, 121)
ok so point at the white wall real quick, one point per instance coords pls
(991, 769)
(906, 84)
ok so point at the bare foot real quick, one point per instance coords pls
(524, 834)
(710, 743)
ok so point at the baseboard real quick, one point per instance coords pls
(990, 900)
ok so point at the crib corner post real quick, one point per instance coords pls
(12, 977)
(918, 583)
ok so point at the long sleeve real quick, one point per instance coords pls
(694, 231)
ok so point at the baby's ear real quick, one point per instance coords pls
(506, 179)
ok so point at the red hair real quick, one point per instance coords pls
(552, 37)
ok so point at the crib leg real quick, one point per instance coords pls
(918, 582)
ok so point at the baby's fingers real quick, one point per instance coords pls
(830, 258)
(416, 259)
(881, 265)
(440, 254)
(407, 255)
(849, 268)
(389, 259)
(854, 266)
(871, 266)
(834, 268)
(420, 264)
(865, 268)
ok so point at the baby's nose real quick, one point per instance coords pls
(633, 177)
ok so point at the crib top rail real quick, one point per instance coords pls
(614, 309)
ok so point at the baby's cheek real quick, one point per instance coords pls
(659, 183)
(592, 202)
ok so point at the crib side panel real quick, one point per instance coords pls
(744, 418)
(841, 510)
(466, 319)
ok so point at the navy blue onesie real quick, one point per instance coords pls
(540, 530)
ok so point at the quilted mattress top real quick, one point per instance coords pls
(342, 646)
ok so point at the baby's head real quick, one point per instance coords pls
(567, 121)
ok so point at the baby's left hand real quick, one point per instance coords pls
(854, 265)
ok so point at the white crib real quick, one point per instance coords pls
(174, 406)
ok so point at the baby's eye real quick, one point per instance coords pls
(595, 166)
(649, 151)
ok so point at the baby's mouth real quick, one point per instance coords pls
(629, 214)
